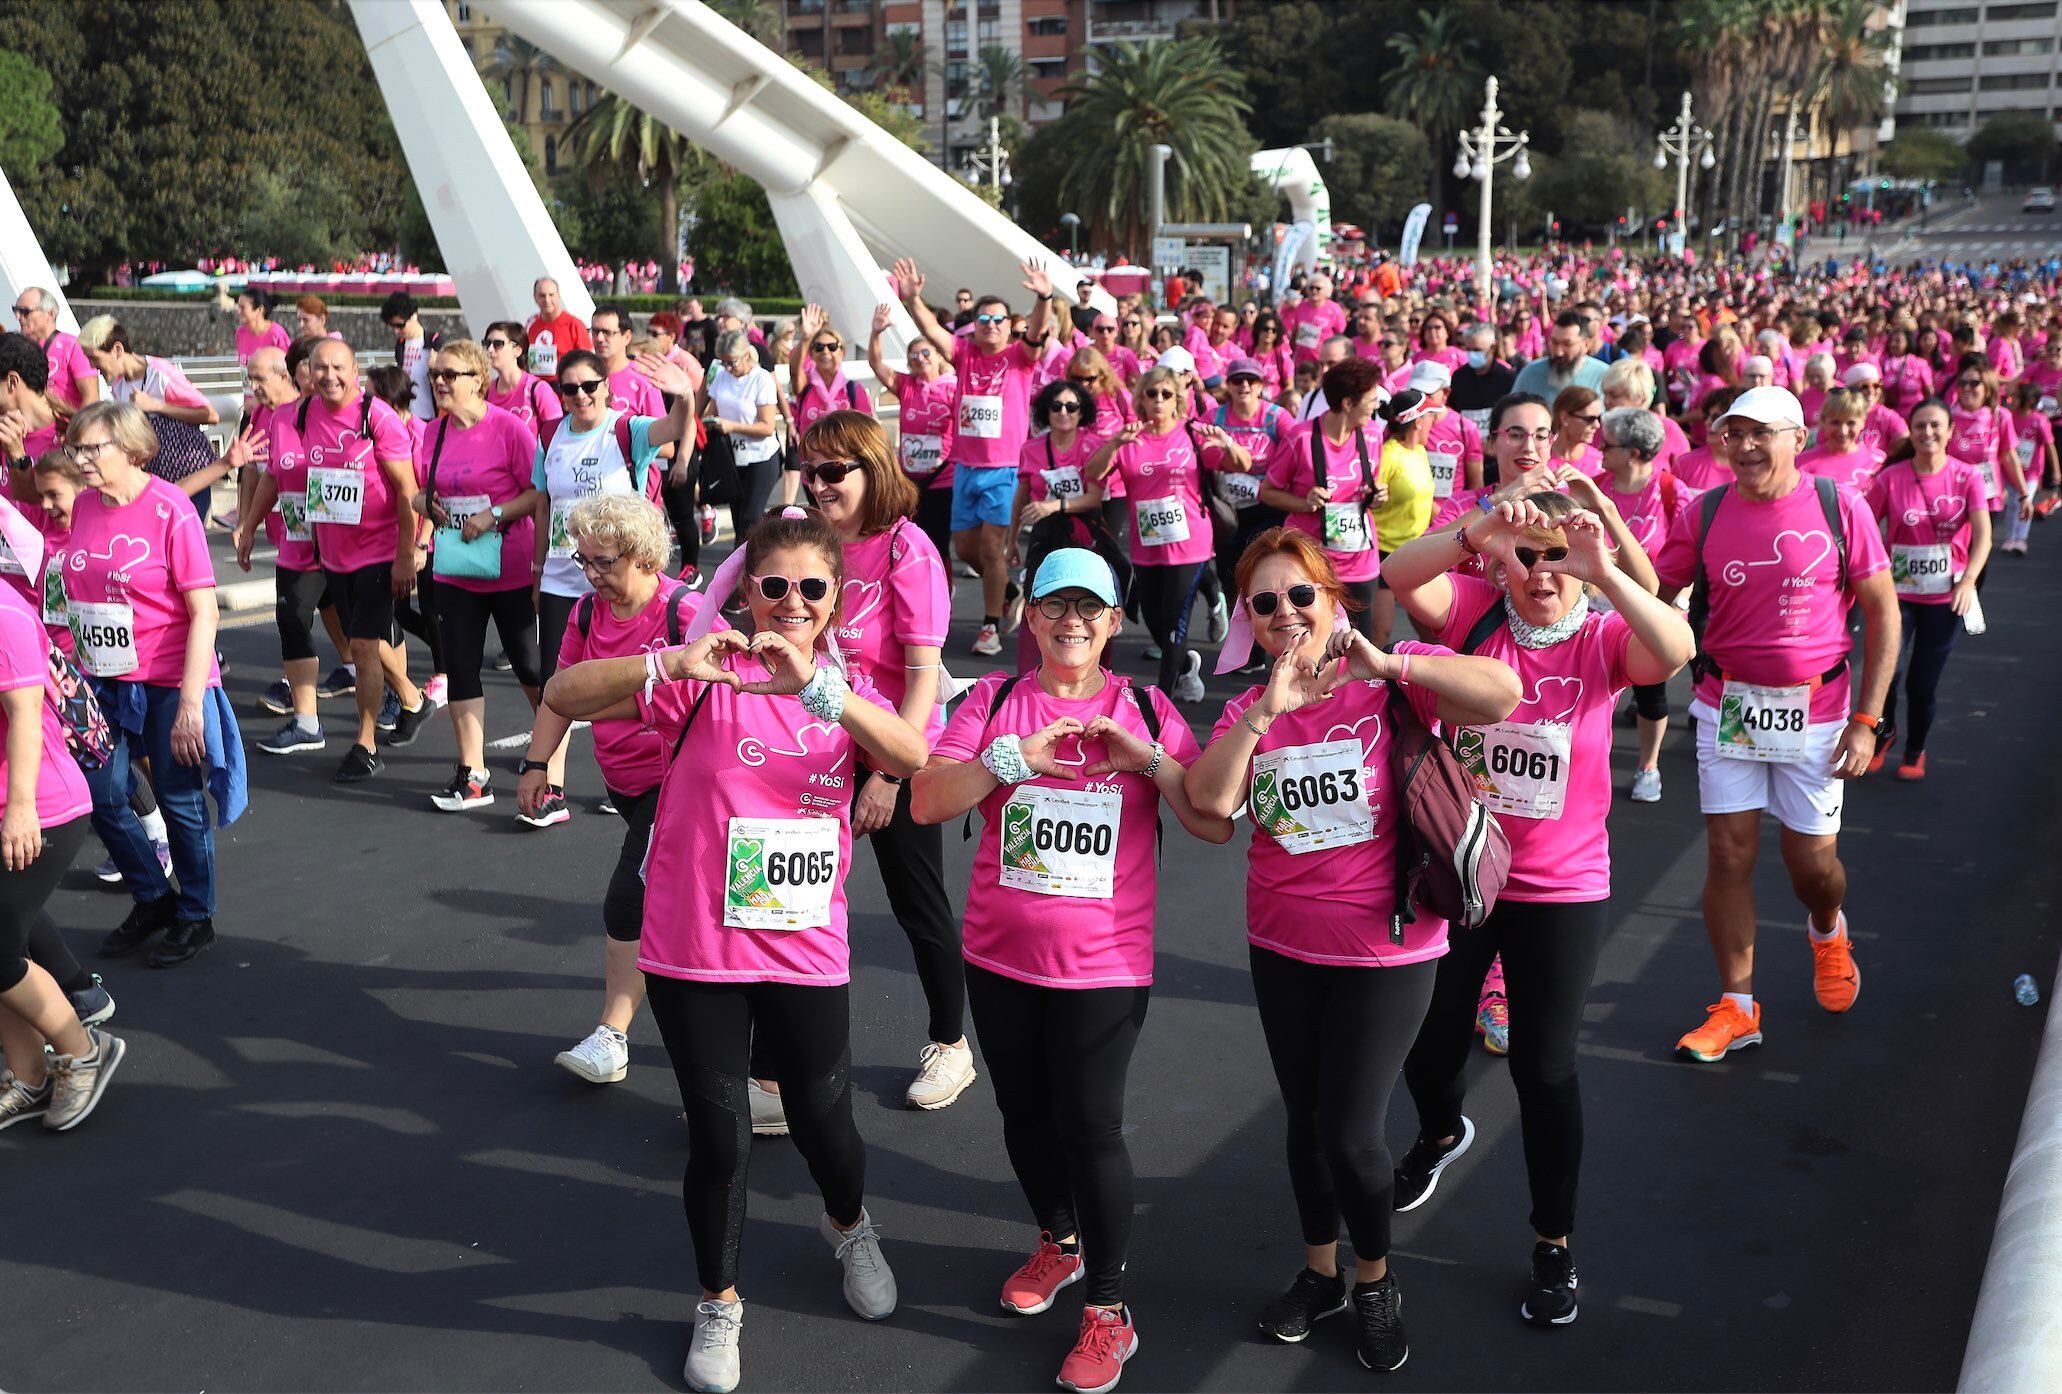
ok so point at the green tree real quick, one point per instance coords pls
(2022, 141)
(521, 67)
(1304, 60)
(756, 17)
(617, 143)
(31, 130)
(1379, 169)
(735, 243)
(1604, 167)
(1918, 153)
(900, 62)
(612, 221)
(1436, 87)
(1180, 93)
(1852, 70)
(998, 78)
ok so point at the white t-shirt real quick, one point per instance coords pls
(415, 361)
(739, 399)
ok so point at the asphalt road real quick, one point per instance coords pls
(339, 1156)
(1989, 228)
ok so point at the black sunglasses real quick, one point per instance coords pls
(492, 344)
(830, 471)
(813, 588)
(1086, 384)
(451, 375)
(1529, 557)
(581, 389)
(1066, 404)
(1264, 603)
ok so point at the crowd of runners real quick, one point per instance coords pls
(1792, 485)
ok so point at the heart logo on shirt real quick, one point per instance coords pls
(123, 554)
(1797, 552)
(753, 752)
(1343, 732)
(858, 609)
(1558, 695)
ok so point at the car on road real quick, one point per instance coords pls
(2039, 201)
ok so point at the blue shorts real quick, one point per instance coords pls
(982, 494)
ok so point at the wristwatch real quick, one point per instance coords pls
(529, 764)
(891, 778)
(496, 511)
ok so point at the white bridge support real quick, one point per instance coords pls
(1293, 174)
(848, 196)
(490, 223)
(22, 263)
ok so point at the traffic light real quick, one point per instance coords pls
(1661, 225)
(1884, 186)
(1621, 220)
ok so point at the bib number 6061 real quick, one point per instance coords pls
(1527, 764)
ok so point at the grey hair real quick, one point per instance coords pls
(735, 308)
(629, 523)
(730, 343)
(44, 299)
(1480, 327)
(1637, 429)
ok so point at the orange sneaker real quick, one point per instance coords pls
(1834, 977)
(1912, 768)
(1726, 1029)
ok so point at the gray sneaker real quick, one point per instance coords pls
(603, 1058)
(712, 1363)
(77, 1082)
(19, 1103)
(869, 1285)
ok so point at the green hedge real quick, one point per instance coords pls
(638, 304)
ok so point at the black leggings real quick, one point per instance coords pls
(1929, 636)
(554, 613)
(1232, 545)
(912, 861)
(1164, 594)
(678, 501)
(416, 613)
(1337, 1037)
(297, 595)
(1550, 954)
(622, 904)
(1363, 619)
(47, 947)
(462, 620)
(1057, 1058)
(805, 1033)
(754, 487)
(934, 518)
(23, 894)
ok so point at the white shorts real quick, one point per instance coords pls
(1805, 797)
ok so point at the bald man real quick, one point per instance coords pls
(552, 332)
(72, 379)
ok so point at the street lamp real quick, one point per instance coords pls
(1072, 223)
(1682, 142)
(991, 161)
(1481, 151)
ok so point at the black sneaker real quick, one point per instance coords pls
(467, 789)
(502, 663)
(93, 1004)
(359, 765)
(1419, 1171)
(1552, 1300)
(1309, 1300)
(1379, 1306)
(146, 918)
(188, 940)
(408, 725)
(339, 683)
(551, 810)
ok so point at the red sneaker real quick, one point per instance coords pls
(1031, 1289)
(1096, 1363)
(1913, 768)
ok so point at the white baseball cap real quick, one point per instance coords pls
(1429, 375)
(1861, 373)
(1178, 359)
(1771, 406)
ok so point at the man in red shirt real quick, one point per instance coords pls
(551, 331)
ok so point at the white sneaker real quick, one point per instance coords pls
(712, 1363)
(1189, 686)
(603, 1058)
(869, 1286)
(1646, 786)
(1220, 621)
(988, 643)
(943, 1073)
(769, 1119)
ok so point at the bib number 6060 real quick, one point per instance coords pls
(1086, 839)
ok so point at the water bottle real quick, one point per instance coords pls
(2024, 989)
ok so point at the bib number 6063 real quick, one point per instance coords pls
(1320, 790)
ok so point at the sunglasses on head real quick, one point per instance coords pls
(581, 389)
(813, 588)
(829, 471)
(1264, 603)
(1529, 557)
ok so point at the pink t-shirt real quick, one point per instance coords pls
(146, 555)
(1061, 940)
(1975, 438)
(2034, 435)
(1907, 381)
(61, 793)
(69, 366)
(632, 391)
(493, 459)
(1308, 323)
(1292, 470)
(2047, 377)
(532, 401)
(896, 598)
(287, 463)
(1680, 361)
(2004, 356)
(273, 335)
(1776, 618)
(816, 400)
(1646, 510)
(1258, 436)
(1042, 465)
(928, 412)
(1331, 905)
(748, 757)
(332, 441)
(1852, 469)
(1674, 444)
(1924, 511)
(1371, 350)
(632, 755)
(992, 411)
(1163, 480)
(1700, 470)
(1811, 399)
(1573, 683)
(1883, 428)
(1453, 358)
(1453, 434)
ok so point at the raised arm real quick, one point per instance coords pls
(887, 377)
(909, 288)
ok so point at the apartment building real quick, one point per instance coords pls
(550, 98)
(1965, 61)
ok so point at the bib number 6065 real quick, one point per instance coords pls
(800, 868)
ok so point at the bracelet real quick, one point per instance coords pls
(1246, 720)
(1004, 758)
(824, 697)
(1460, 535)
(654, 672)
(1153, 765)
(1403, 667)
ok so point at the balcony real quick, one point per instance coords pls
(1137, 31)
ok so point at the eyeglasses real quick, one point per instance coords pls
(1529, 557)
(832, 347)
(447, 376)
(581, 389)
(1586, 419)
(813, 588)
(1055, 607)
(1760, 438)
(397, 325)
(1968, 382)
(829, 471)
(599, 332)
(1085, 384)
(1265, 603)
(991, 319)
(1518, 435)
(491, 344)
(597, 565)
(1134, 324)
(1069, 404)
(86, 452)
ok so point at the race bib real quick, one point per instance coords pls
(921, 455)
(1312, 797)
(1480, 416)
(1308, 334)
(1445, 469)
(460, 507)
(53, 594)
(2025, 451)
(1988, 466)
(105, 634)
(1241, 490)
(1518, 767)
(559, 543)
(1346, 527)
(1161, 522)
(1763, 723)
(2047, 406)
(10, 565)
(544, 356)
(782, 873)
(336, 496)
(293, 517)
(980, 417)
(1921, 568)
(1063, 483)
(1061, 842)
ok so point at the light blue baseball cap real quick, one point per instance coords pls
(1075, 568)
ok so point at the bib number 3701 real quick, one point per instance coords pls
(781, 873)
(1763, 723)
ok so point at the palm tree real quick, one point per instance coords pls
(1852, 75)
(756, 17)
(1435, 86)
(1179, 93)
(997, 76)
(901, 61)
(522, 68)
(614, 139)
